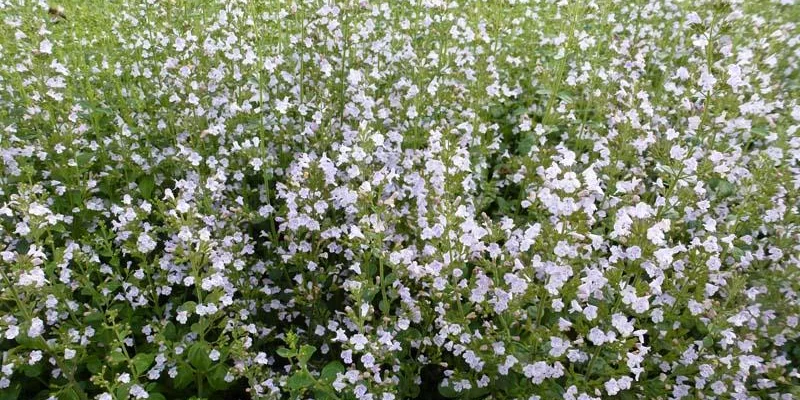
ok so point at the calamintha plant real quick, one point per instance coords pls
(472, 199)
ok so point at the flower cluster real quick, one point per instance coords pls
(522, 199)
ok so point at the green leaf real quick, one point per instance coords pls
(322, 395)
(106, 252)
(122, 392)
(497, 111)
(331, 370)
(12, 392)
(300, 380)
(305, 353)
(142, 361)
(554, 390)
(32, 371)
(84, 160)
(75, 198)
(479, 392)
(216, 377)
(410, 390)
(447, 391)
(71, 393)
(200, 327)
(369, 294)
(189, 306)
(156, 396)
(198, 356)
(627, 395)
(519, 111)
(170, 332)
(525, 144)
(93, 364)
(117, 357)
(567, 97)
(725, 189)
(185, 377)
(384, 307)
(508, 382)
(214, 296)
(286, 353)
(146, 185)
(600, 367)
(761, 131)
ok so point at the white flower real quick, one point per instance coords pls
(656, 232)
(45, 47)
(124, 378)
(596, 336)
(354, 77)
(640, 304)
(261, 358)
(36, 328)
(33, 277)
(612, 387)
(283, 105)
(12, 332)
(796, 113)
(621, 323)
(139, 392)
(695, 308)
(473, 360)
(145, 243)
(735, 77)
(707, 81)
(22, 229)
(34, 357)
(368, 360)
(590, 312)
(38, 209)
(558, 346)
(358, 341)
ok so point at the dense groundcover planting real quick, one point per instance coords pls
(502, 199)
